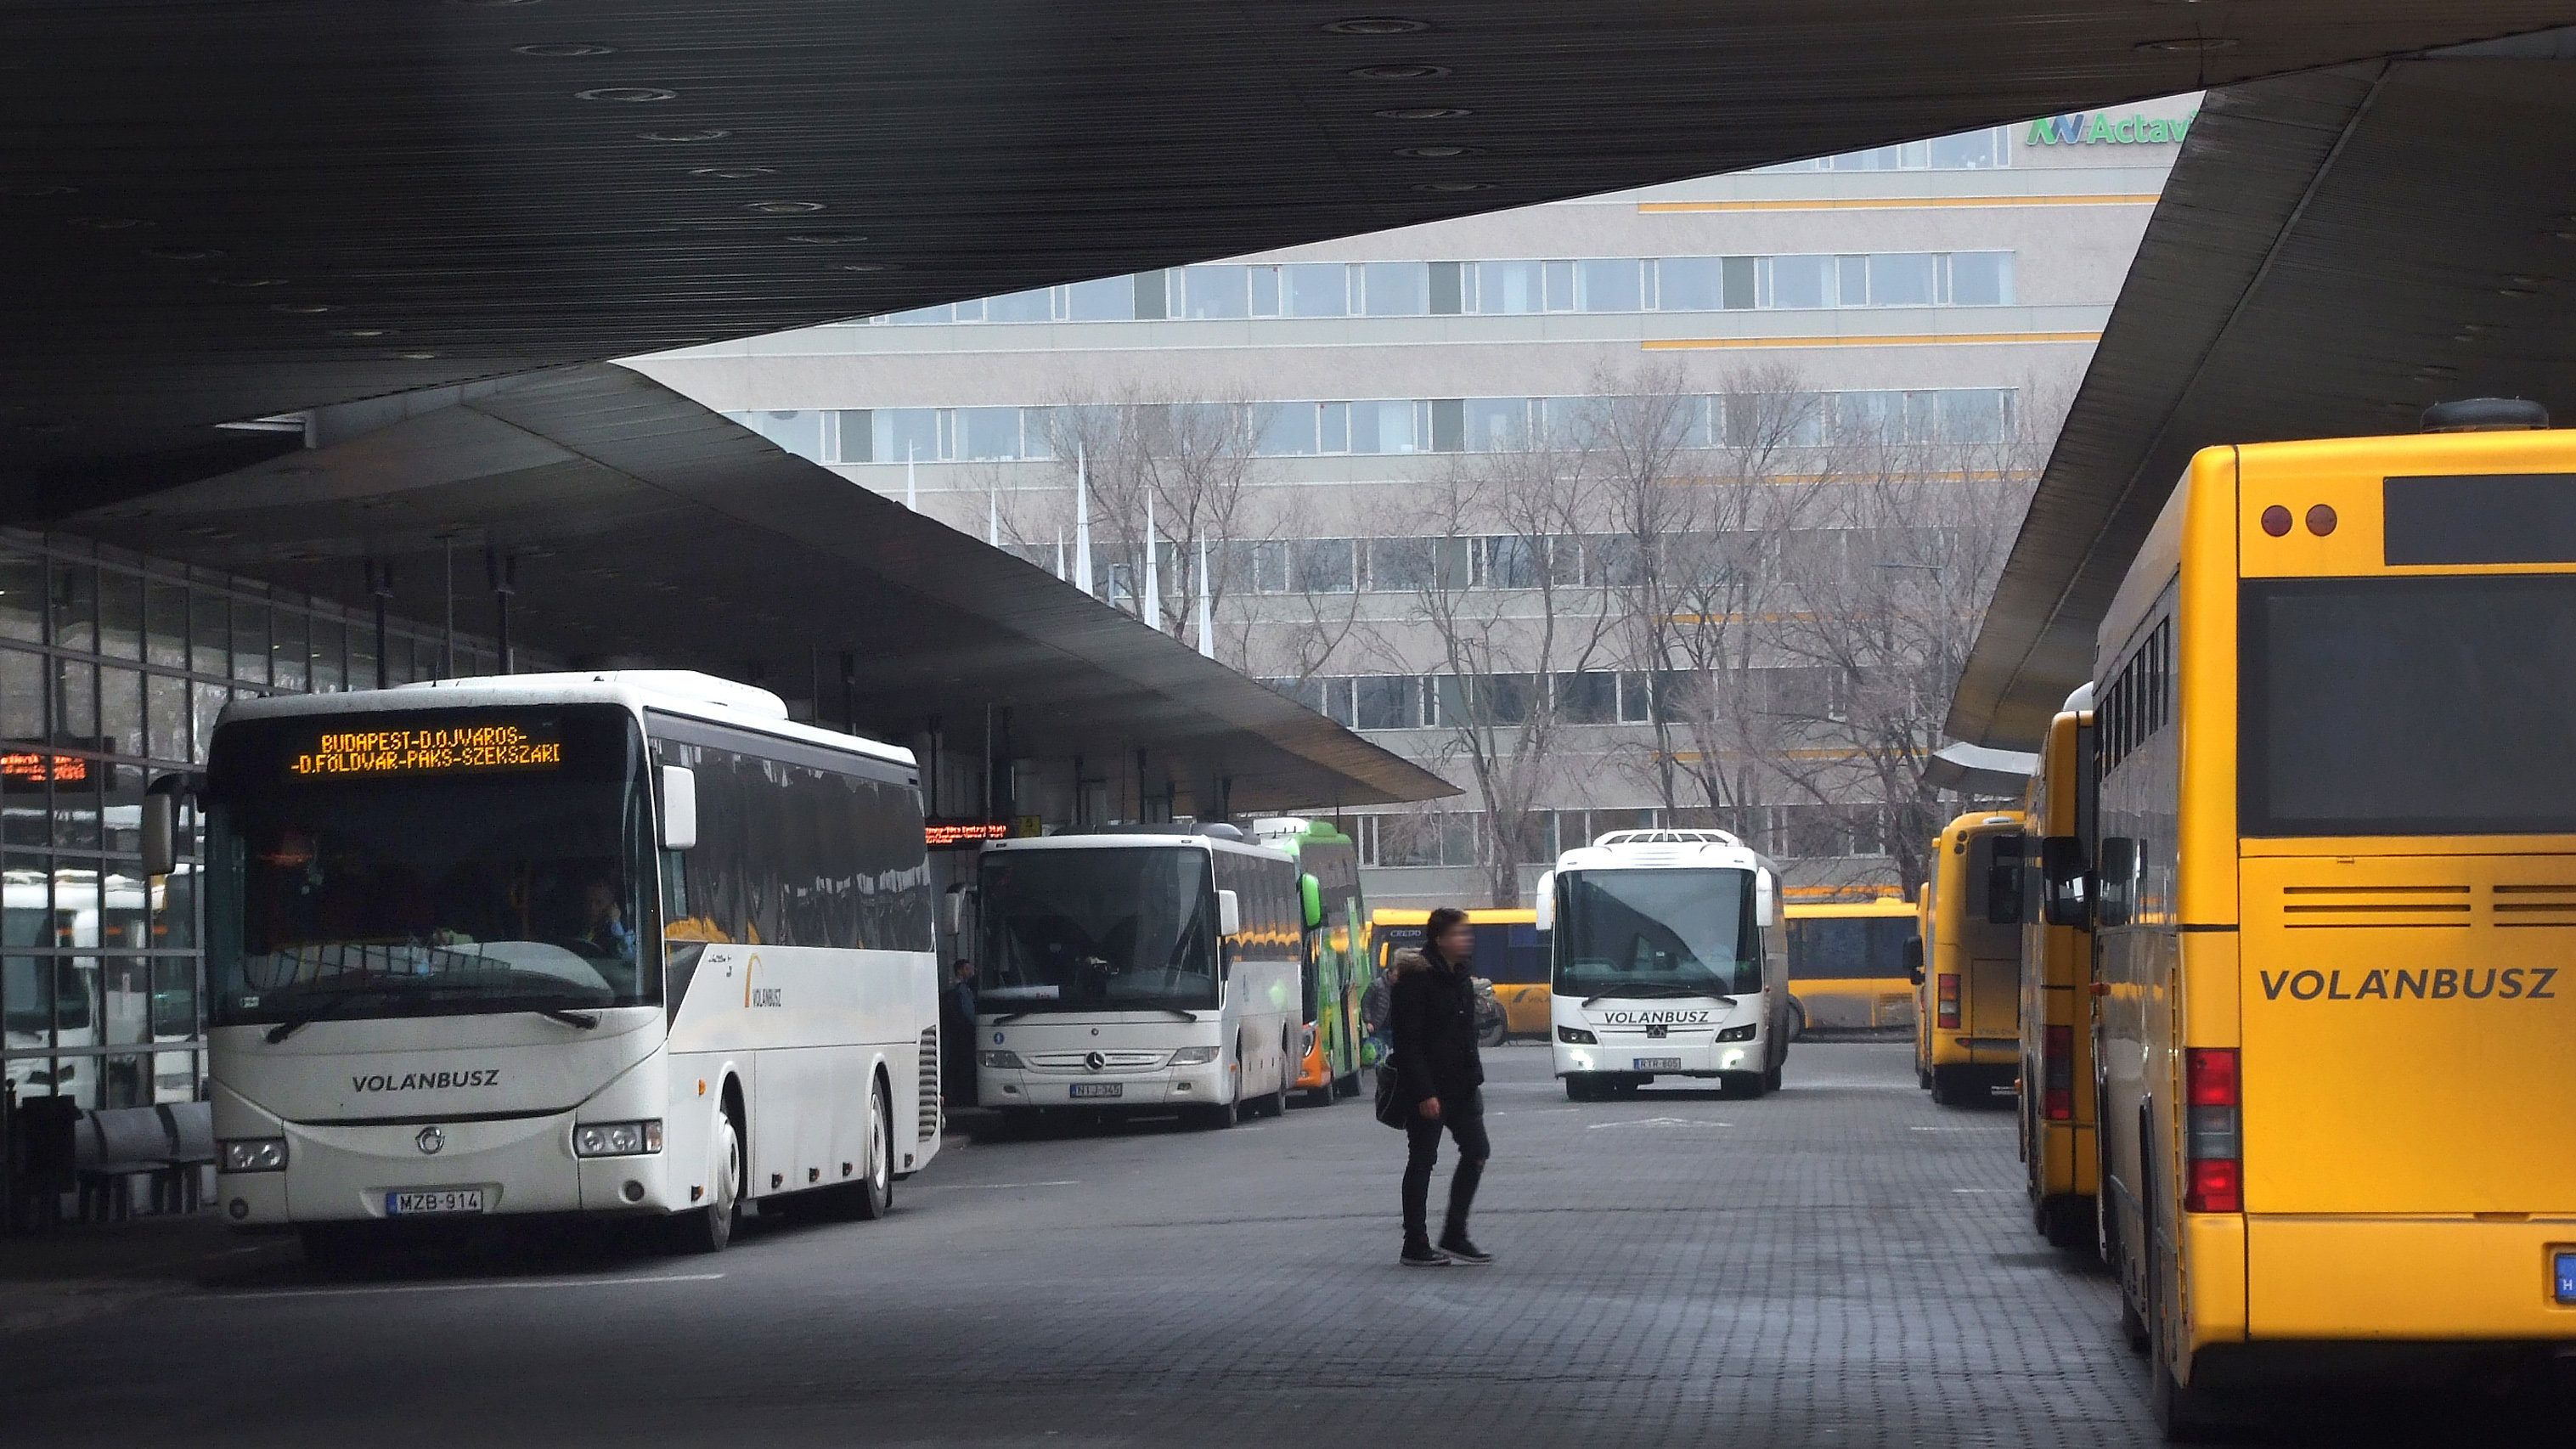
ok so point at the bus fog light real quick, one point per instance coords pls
(1006, 1061)
(1197, 1056)
(633, 1191)
(1738, 1033)
(617, 1139)
(255, 1154)
(1575, 1036)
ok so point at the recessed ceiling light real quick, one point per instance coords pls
(732, 173)
(564, 49)
(183, 253)
(490, 4)
(2189, 44)
(1406, 70)
(826, 238)
(2517, 291)
(302, 309)
(362, 331)
(110, 223)
(2568, 235)
(412, 356)
(2520, 280)
(784, 208)
(626, 93)
(247, 282)
(1453, 186)
(1377, 25)
(703, 133)
(35, 188)
(1438, 153)
(866, 267)
(1424, 113)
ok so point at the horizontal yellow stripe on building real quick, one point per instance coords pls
(1888, 339)
(1906, 203)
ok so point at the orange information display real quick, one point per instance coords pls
(426, 751)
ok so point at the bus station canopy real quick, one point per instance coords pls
(218, 213)
(640, 525)
(2334, 252)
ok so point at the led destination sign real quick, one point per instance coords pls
(426, 751)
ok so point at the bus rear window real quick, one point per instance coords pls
(2408, 706)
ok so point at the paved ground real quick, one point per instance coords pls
(1839, 1264)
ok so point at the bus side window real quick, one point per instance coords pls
(2118, 881)
(2004, 882)
(2066, 881)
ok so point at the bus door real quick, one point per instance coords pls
(1990, 1014)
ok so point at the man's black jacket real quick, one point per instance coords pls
(1435, 1029)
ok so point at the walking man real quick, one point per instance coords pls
(1441, 1075)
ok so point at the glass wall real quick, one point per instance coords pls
(112, 670)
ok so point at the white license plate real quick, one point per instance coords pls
(1099, 1089)
(443, 1200)
(1658, 1064)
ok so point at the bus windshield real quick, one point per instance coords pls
(1847, 947)
(392, 891)
(1096, 930)
(1655, 933)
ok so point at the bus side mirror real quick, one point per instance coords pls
(679, 807)
(1229, 914)
(1310, 899)
(1766, 899)
(2003, 882)
(161, 825)
(2067, 882)
(2117, 877)
(1543, 901)
(1914, 960)
(956, 904)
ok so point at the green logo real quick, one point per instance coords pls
(2102, 129)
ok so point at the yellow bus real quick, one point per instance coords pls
(1848, 963)
(2334, 899)
(2058, 1098)
(1970, 992)
(1510, 953)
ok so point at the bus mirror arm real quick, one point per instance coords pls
(161, 821)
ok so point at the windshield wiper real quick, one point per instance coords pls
(583, 1019)
(293, 1024)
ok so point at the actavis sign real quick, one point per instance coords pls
(2100, 128)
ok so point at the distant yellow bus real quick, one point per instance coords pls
(1970, 995)
(2335, 899)
(1510, 953)
(2058, 1096)
(1848, 963)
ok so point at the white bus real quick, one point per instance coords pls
(1138, 973)
(622, 943)
(1667, 960)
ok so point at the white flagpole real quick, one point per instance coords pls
(911, 484)
(993, 518)
(1059, 553)
(1081, 523)
(1153, 567)
(1207, 614)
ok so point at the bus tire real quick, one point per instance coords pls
(1580, 1087)
(1493, 1036)
(1922, 1077)
(709, 1228)
(1952, 1087)
(2188, 1414)
(1347, 1085)
(2065, 1220)
(1216, 1118)
(872, 1196)
(1772, 1075)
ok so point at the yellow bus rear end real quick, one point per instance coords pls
(1972, 979)
(2060, 1158)
(2335, 905)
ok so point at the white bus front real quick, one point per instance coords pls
(1100, 980)
(435, 968)
(1661, 972)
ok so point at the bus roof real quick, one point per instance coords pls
(1664, 850)
(1897, 907)
(671, 691)
(1983, 822)
(1476, 916)
(1139, 839)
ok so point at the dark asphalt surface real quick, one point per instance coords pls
(1839, 1264)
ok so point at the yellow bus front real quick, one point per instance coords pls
(1972, 979)
(2354, 996)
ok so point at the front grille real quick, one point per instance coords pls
(1111, 1061)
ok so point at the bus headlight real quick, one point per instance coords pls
(1739, 1033)
(617, 1139)
(1006, 1061)
(255, 1154)
(1575, 1036)
(1197, 1056)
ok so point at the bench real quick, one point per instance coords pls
(165, 1145)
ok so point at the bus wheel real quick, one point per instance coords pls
(1348, 1085)
(1218, 1117)
(1493, 1036)
(1949, 1090)
(872, 1196)
(1772, 1075)
(2188, 1414)
(2066, 1221)
(710, 1228)
(1922, 1078)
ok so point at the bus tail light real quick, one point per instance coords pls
(1946, 1001)
(2057, 1074)
(2213, 1131)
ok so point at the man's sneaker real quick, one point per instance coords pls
(1423, 1255)
(1460, 1250)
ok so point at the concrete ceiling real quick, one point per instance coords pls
(219, 211)
(644, 526)
(2334, 252)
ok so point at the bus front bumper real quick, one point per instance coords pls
(1003, 1089)
(523, 1165)
(1634, 1054)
